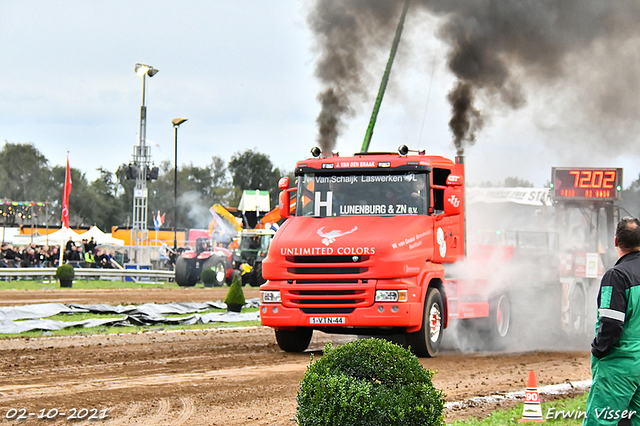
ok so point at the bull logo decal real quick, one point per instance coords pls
(331, 236)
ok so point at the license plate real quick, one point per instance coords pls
(327, 320)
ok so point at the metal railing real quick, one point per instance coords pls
(132, 274)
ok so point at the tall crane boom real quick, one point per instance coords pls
(385, 79)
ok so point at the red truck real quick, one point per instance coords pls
(366, 249)
(364, 252)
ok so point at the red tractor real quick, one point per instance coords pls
(191, 263)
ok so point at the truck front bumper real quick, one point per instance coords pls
(379, 315)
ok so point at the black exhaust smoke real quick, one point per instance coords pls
(329, 120)
(495, 49)
(348, 35)
(465, 119)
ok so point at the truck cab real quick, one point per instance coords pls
(364, 251)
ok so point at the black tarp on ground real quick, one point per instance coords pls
(34, 316)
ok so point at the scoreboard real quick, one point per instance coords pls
(583, 183)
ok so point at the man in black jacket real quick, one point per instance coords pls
(615, 360)
(11, 256)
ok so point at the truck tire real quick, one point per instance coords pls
(294, 340)
(500, 315)
(498, 324)
(578, 312)
(218, 266)
(185, 276)
(426, 341)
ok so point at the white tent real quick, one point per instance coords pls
(51, 239)
(57, 238)
(9, 233)
(19, 240)
(100, 237)
(61, 235)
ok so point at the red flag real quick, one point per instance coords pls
(65, 196)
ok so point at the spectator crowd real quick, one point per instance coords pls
(85, 254)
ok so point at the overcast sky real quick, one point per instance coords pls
(242, 73)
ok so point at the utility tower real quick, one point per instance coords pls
(141, 169)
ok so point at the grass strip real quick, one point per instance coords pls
(80, 331)
(16, 284)
(565, 412)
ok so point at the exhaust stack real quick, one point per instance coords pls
(459, 160)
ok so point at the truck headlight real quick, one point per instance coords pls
(391, 295)
(270, 296)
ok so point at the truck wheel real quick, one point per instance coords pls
(498, 323)
(426, 341)
(500, 315)
(577, 312)
(294, 340)
(185, 276)
(219, 268)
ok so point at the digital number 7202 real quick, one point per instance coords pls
(600, 179)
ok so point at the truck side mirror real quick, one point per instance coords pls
(284, 203)
(452, 201)
(283, 183)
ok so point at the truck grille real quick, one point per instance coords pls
(328, 284)
(326, 270)
(337, 297)
(324, 281)
(327, 265)
(313, 311)
(316, 296)
(327, 259)
(325, 292)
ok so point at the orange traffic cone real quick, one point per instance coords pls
(532, 411)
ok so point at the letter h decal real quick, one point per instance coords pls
(328, 204)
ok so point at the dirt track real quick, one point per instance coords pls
(213, 377)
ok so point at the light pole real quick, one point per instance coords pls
(141, 159)
(176, 123)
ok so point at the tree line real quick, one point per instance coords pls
(26, 177)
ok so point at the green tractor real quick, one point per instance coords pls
(252, 248)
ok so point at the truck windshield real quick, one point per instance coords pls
(390, 194)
